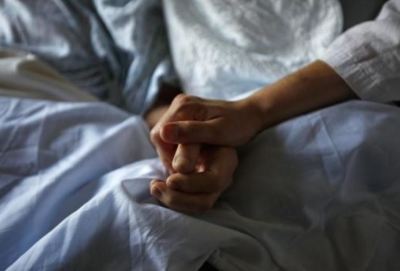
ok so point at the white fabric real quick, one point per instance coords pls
(23, 75)
(367, 56)
(319, 192)
(223, 48)
(114, 50)
(74, 191)
(74, 194)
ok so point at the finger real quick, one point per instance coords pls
(182, 108)
(165, 152)
(186, 157)
(222, 161)
(156, 188)
(190, 132)
(205, 182)
(186, 107)
(182, 202)
(219, 164)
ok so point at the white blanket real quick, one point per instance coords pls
(316, 192)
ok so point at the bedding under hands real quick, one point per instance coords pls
(74, 183)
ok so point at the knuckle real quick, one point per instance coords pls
(189, 108)
(154, 136)
(200, 113)
(182, 99)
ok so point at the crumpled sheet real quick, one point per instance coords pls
(317, 192)
(114, 50)
(225, 49)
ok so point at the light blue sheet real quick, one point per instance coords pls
(318, 192)
(115, 50)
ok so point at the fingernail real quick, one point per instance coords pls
(173, 184)
(155, 191)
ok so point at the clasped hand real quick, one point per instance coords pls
(195, 140)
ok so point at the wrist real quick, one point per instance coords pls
(255, 112)
(312, 87)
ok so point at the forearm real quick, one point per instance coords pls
(313, 87)
(235, 123)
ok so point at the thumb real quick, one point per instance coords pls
(186, 157)
(192, 132)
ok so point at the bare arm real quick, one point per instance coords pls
(315, 86)
(235, 123)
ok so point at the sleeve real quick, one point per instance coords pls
(367, 56)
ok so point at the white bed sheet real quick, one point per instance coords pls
(320, 191)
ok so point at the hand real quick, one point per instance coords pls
(195, 120)
(198, 191)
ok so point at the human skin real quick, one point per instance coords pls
(190, 122)
(195, 188)
(197, 191)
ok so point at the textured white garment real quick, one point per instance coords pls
(223, 48)
(367, 56)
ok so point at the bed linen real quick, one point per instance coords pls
(319, 192)
(367, 56)
(116, 51)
